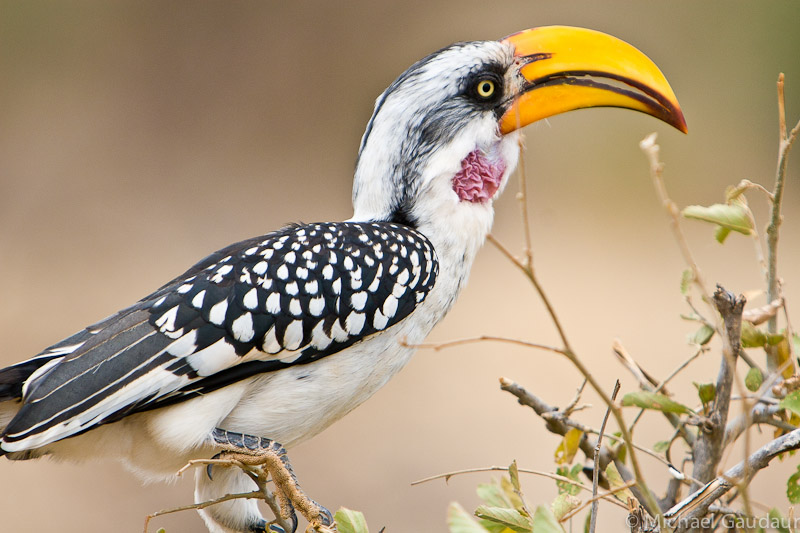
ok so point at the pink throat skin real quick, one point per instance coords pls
(479, 178)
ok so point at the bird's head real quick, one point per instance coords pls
(442, 140)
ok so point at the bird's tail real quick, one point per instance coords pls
(12, 379)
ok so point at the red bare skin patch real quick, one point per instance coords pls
(479, 178)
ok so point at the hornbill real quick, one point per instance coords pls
(266, 342)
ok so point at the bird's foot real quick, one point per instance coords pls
(270, 456)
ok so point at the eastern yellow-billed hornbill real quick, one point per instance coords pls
(272, 339)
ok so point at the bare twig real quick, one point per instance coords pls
(446, 476)
(651, 150)
(484, 338)
(646, 382)
(773, 282)
(203, 505)
(596, 472)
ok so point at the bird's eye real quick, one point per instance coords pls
(485, 88)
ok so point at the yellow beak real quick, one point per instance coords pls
(561, 68)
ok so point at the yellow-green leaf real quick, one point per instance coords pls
(793, 487)
(513, 474)
(654, 400)
(349, 521)
(752, 337)
(778, 521)
(721, 233)
(686, 279)
(563, 504)
(510, 518)
(459, 521)
(492, 494)
(753, 379)
(702, 335)
(792, 402)
(706, 391)
(545, 522)
(661, 446)
(731, 216)
(568, 446)
(571, 473)
(511, 493)
(615, 480)
(785, 358)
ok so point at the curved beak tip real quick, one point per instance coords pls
(563, 68)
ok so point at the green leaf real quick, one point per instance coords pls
(753, 379)
(661, 446)
(778, 521)
(622, 452)
(513, 473)
(721, 233)
(792, 403)
(706, 391)
(161, 530)
(563, 504)
(511, 493)
(491, 494)
(793, 487)
(654, 400)
(510, 518)
(458, 521)
(734, 217)
(568, 446)
(545, 522)
(349, 521)
(686, 279)
(571, 473)
(752, 337)
(702, 335)
(615, 480)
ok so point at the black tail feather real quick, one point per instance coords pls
(13, 377)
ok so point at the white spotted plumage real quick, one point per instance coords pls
(281, 335)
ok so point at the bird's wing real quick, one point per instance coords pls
(288, 298)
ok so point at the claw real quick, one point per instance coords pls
(325, 516)
(210, 466)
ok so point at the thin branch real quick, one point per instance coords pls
(203, 505)
(651, 150)
(646, 383)
(446, 476)
(596, 472)
(773, 282)
(483, 338)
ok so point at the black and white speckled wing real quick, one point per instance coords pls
(288, 298)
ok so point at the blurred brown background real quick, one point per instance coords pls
(135, 137)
